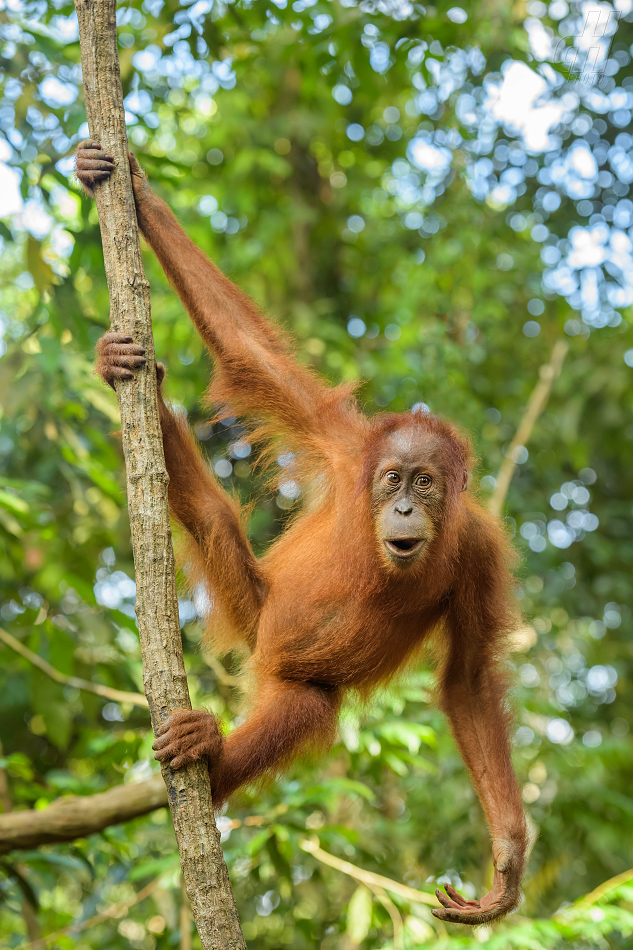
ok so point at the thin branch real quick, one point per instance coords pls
(536, 403)
(114, 910)
(371, 880)
(394, 913)
(107, 692)
(598, 893)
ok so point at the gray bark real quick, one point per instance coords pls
(205, 874)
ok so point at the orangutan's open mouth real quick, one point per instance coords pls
(404, 547)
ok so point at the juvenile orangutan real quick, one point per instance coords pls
(390, 547)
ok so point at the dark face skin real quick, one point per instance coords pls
(407, 493)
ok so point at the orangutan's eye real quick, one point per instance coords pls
(423, 481)
(392, 478)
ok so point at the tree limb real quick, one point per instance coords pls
(536, 404)
(73, 816)
(164, 676)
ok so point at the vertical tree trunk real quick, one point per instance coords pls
(205, 874)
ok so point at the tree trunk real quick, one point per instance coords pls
(205, 874)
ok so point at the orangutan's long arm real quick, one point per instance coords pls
(256, 372)
(474, 697)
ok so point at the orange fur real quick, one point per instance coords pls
(324, 611)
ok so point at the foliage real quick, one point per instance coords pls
(357, 169)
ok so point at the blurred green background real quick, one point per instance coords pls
(429, 197)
